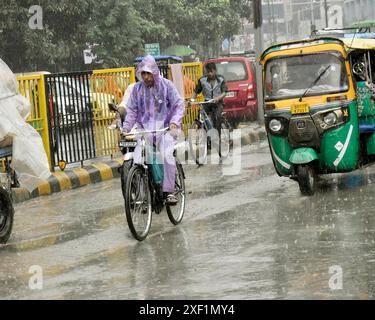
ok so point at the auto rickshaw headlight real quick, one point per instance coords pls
(330, 119)
(275, 125)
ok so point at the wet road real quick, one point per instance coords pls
(246, 236)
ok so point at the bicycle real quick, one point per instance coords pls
(200, 136)
(7, 179)
(143, 194)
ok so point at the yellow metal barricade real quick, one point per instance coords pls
(108, 86)
(192, 73)
(32, 87)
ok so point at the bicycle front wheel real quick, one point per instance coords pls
(138, 207)
(198, 143)
(176, 213)
(226, 139)
(126, 166)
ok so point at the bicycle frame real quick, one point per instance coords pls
(203, 116)
(156, 190)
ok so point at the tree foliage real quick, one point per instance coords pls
(116, 30)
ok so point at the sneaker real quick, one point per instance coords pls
(171, 200)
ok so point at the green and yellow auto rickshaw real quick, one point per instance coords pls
(319, 107)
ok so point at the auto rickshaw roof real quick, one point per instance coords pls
(300, 43)
(359, 44)
(349, 44)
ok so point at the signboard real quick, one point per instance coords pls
(241, 43)
(152, 48)
(88, 56)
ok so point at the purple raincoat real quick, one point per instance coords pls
(154, 108)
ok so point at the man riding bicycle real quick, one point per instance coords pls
(214, 89)
(153, 105)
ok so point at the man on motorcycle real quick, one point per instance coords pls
(155, 104)
(214, 89)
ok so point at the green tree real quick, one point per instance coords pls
(116, 29)
(58, 46)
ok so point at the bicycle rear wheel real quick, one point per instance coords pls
(198, 143)
(6, 215)
(176, 213)
(138, 207)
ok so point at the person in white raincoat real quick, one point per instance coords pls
(29, 158)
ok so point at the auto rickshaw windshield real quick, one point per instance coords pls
(311, 74)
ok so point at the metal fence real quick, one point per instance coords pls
(70, 110)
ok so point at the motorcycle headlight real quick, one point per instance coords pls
(275, 125)
(330, 119)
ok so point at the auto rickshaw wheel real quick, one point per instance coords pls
(6, 215)
(306, 179)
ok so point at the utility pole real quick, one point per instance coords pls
(312, 16)
(258, 22)
(326, 11)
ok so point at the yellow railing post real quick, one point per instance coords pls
(33, 88)
(44, 116)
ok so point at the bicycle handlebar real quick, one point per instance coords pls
(142, 133)
(201, 103)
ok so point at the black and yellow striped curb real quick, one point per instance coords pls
(71, 179)
(98, 172)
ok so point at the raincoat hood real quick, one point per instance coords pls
(149, 65)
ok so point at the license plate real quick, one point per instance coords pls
(231, 94)
(300, 108)
(128, 144)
